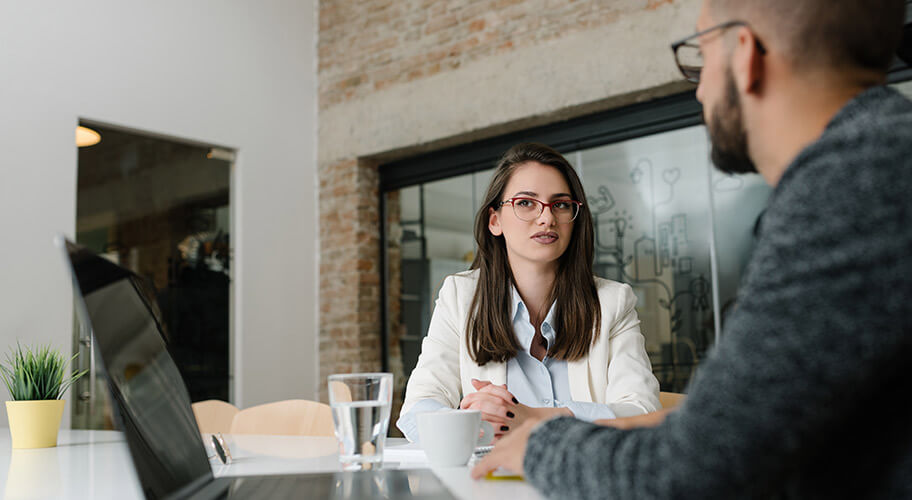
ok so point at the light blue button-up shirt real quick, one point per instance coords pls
(534, 383)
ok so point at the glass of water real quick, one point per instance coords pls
(361, 411)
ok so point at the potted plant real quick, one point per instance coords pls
(36, 380)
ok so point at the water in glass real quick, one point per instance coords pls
(361, 411)
(361, 429)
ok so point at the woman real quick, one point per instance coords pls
(528, 330)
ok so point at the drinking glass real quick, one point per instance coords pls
(360, 405)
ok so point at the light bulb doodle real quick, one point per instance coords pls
(637, 172)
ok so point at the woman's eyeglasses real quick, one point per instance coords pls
(529, 209)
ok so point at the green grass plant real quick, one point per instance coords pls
(37, 375)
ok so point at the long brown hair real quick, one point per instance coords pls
(577, 315)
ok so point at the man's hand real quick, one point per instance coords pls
(524, 413)
(511, 450)
(508, 453)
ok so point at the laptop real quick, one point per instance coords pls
(152, 404)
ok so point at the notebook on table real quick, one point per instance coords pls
(153, 408)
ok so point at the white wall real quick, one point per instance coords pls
(235, 73)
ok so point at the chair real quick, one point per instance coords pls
(293, 417)
(214, 415)
(671, 399)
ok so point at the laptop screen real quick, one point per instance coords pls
(145, 384)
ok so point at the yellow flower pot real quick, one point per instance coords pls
(34, 424)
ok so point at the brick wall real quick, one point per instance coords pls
(370, 45)
(396, 78)
(349, 337)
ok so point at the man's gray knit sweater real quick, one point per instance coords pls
(804, 395)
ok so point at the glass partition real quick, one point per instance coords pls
(659, 227)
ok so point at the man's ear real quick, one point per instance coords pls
(748, 64)
(494, 222)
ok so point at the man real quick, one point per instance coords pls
(801, 397)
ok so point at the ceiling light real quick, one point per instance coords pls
(86, 137)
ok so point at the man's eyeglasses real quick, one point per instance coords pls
(529, 209)
(689, 56)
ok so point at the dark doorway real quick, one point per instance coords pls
(161, 208)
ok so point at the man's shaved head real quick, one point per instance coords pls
(840, 35)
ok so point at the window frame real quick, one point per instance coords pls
(659, 115)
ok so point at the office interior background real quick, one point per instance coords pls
(293, 179)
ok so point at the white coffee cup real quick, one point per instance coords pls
(450, 437)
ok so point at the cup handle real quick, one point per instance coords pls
(487, 434)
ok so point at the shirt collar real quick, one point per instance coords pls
(520, 316)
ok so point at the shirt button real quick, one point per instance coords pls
(546, 401)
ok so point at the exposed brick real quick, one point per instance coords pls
(372, 45)
(440, 23)
(349, 269)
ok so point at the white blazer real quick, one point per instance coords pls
(617, 371)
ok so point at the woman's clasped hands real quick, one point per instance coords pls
(501, 409)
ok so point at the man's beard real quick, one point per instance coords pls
(727, 134)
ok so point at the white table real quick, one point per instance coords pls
(97, 465)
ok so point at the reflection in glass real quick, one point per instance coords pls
(153, 406)
(390, 483)
(655, 230)
(430, 237)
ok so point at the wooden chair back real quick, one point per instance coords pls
(671, 399)
(292, 417)
(214, 416)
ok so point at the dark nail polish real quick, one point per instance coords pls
(504, 428)
(510, 414)
(515, 401)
